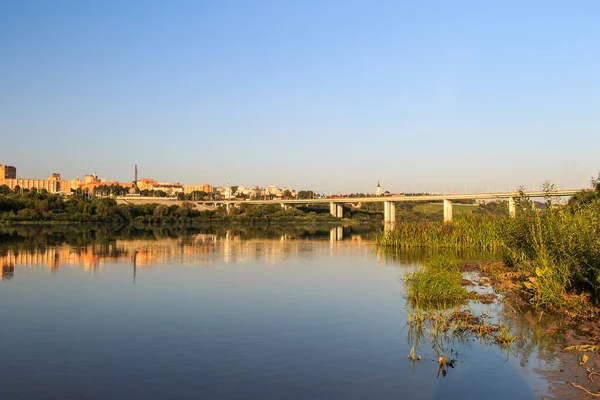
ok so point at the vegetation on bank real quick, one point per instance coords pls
(467, 232)
(27, 206)
(438, 282)
(42, 207)
(556, 248)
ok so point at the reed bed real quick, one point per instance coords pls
(467, 232)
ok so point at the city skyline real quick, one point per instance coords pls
(187, 187)
(323, 96)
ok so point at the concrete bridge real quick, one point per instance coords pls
(389, 202)
(167, 201)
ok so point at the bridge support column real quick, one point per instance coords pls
(512, 212)
(284, 206)
(336, 210)
(447, 211)
(389, 212)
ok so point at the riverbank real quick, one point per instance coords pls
(572, 331)
(555, 249)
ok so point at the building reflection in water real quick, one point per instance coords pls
(197, 250)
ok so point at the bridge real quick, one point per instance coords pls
(389, 202)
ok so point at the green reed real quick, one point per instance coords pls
(436, 284)
(466, 232)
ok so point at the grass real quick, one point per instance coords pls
(435, 208)
(467, 232)
(559, 249)
(438, 283)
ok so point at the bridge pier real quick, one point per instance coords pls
(447, 211)
(284, 206)
(389, 212)
(336, 210)
(512, 211)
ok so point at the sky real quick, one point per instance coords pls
(331, 96)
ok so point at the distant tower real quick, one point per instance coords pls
(378, 190)
(134, 188)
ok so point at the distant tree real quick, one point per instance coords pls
(5, 190)
(161, 210)
(257, 192)
(233, 190)
(306, 194)
(287, 194)
(596, 183)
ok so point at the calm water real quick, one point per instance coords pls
(221, 314)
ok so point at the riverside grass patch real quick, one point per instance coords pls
(436, 284)
(466, 232)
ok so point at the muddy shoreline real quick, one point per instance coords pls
(573, 332)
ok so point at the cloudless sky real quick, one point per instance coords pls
(324, 95)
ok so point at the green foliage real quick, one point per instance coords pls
(436, 284)
(33, 206)
(556, 246)
(559, 247)
(466, 232)
(306, 194)
(197, 195)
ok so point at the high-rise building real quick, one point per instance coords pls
(8, 172)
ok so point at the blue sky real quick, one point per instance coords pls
(324, 95)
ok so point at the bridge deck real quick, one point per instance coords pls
(434, 197)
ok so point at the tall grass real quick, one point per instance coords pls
(466, 232)
(436, 284)
(559, 247)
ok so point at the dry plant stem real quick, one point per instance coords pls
(585, 390)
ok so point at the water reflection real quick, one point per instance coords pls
(92, 249)
(8, 271)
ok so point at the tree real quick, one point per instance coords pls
(306, 194)
(161, 210)
(257, 192)
(287, 194)
(596, 183)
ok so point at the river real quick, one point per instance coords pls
(277, 313)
